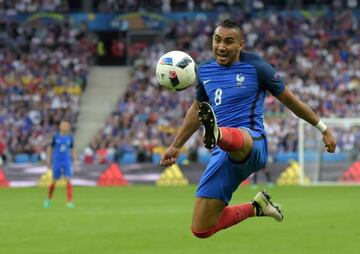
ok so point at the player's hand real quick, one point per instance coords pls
(329, 141)
(170, 156)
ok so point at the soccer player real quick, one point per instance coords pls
(267, 175)
(229, 104)
(60, 157)
(266, 172)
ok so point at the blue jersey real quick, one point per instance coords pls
(62, 146)
(237, 92)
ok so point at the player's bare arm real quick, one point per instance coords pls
(190, 125)
(305, 112)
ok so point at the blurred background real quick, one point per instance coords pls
(93, 62)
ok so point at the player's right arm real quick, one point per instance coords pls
(190, 125)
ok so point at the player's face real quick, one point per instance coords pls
(226, 45)
(64, 127)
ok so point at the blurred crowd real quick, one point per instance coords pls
(168, 6)
(317, 56)
(44, 68)
(13, 7)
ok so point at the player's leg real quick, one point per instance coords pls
(51, 189)
(219, 180)
(56, 173)
(268, 177)
(212, 215)
(237, 142)
(254, 181)
(69, 187)
(69, 193)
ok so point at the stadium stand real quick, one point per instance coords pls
(317, 56)
(44, 71)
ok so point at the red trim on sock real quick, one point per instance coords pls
(231, 139)
(69, 191)
(231, 215)
(51, 190)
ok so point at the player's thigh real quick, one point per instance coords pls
(246, 149)
(207, 212)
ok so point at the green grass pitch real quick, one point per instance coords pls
(148, 219)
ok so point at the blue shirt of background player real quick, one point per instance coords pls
(237, 92)
(62, 146)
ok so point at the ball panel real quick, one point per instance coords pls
(183, 63)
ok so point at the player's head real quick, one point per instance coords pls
(64, 127)
(227, 42)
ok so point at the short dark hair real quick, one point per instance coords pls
(231, 23)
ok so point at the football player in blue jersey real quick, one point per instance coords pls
(61, 154)
(229, 104)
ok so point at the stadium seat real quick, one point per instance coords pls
(182, 158)
(34, 158)
(285, 156)
(128, 158)
(155, 158)
(335, 157)
(310, 156)
(22, 158)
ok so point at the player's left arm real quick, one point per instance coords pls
(303, 111)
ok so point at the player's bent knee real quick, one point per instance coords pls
(203, 234)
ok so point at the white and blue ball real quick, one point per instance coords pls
(176, 70)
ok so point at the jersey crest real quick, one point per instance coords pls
(240, 79)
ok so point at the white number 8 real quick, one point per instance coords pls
(218, 94)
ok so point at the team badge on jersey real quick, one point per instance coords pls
(240, 79)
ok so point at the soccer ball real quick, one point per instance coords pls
(176, 70)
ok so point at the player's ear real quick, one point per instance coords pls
(242, 44)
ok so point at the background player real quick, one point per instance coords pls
(61, 154)
(266, 173)
(231, 89)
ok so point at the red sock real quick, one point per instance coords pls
(69, 191)
(231, 215)
(51, 190)
(231, 139)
